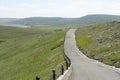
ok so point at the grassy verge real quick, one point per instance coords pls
(28, 52)
(101, 42)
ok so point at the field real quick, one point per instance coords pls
(101, 42)
(28, 52)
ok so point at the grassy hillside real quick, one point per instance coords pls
(101, 42)
(26, 53)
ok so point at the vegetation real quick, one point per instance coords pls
(101, 42)
(28, 52)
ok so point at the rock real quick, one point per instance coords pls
(116, 35)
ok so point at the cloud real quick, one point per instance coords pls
(76, 8)
(22, 10)
(2, 8)
(116, 5)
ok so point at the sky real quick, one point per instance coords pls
(57, 8)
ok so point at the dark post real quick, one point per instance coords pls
(37, 78)
(54, 78)
(62, 69)
(67, 65)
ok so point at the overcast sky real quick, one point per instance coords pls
(57, 8)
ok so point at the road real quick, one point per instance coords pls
(84, 68)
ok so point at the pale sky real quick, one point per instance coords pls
(57, 8)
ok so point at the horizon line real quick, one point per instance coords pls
(57, 16)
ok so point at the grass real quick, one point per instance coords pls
(27, 52)
(101, 42)
(83, 41)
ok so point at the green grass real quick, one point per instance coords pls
(99, 42)
(83, 41)
(27, 52)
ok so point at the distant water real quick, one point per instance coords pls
(15, 25)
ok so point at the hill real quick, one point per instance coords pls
(57, 21)
(97, 19)
(27, 52)
(42, 21)
(101, 42)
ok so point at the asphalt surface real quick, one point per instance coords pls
(84, 68)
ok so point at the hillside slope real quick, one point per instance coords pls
(27, 52)
(101, 42)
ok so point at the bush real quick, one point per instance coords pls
(1, 40)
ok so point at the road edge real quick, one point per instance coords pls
(66, 74)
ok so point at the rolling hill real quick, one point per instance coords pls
(101, 42)
(57, 21)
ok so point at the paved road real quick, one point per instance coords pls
(85, 68)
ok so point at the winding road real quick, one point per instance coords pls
(84, 68)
